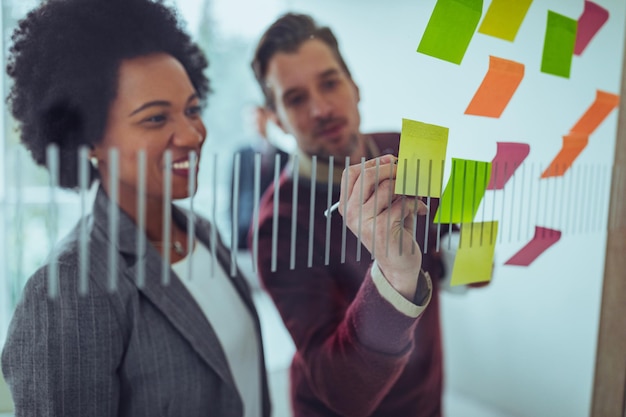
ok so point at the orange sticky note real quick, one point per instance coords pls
(573, 145)
(497, 88)
(598, 111)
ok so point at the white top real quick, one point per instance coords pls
(231, 320)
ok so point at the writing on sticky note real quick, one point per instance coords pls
(421, 159)
(497, 88)
(558, 46)
(450, 29)
(464, 191)
(504, 18)
(474, 256)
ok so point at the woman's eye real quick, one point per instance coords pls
(158, 118)
(194, 110)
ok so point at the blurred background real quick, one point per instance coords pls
(525, 345)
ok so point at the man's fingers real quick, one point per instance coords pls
(369, 174)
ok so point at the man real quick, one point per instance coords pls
(366, 343)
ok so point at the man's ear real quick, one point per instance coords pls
(275, 119)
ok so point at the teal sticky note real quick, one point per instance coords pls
(450, 29)
(464, 191)
(558, 46)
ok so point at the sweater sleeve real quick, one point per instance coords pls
(351, 352)
(424, 292)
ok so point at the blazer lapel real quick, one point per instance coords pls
(211, 239)
(172, 299)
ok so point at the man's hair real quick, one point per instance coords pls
(64, 62)
(287, 34)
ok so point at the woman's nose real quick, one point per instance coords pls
(190, 133)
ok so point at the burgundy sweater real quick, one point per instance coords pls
(357, 355)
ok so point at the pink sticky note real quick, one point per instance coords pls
(509, 156)
(543, 239)
(589, 23)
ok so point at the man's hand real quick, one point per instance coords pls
(386, 220)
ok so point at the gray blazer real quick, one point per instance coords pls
(136, 351)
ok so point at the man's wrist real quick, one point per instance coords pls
(424, 289)
(400, 302)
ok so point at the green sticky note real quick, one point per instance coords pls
(503, 18)
(450, 29)
(421, 158)
(464, 191)
(558, 46)
(474, 256)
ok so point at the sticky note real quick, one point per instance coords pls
(494, 93)
(422, 154)
(573, 145)
(464, 191)
(543, 239)
(504, 18)
(509, 157)
(590, 21)
(474, 256)
(558, 46)
(603, 104)
(450, 29)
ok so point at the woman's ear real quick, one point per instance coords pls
(93, 157)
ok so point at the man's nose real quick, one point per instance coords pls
(321, 106)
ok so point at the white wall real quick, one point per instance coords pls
(526, 344)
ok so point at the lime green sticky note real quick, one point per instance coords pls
(558, 45)
(504, 18)
(464, 191)
(421, 158)
(474, 256)
(450, 29)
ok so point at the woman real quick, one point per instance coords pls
(122, 78)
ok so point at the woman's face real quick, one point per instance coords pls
(156, 109)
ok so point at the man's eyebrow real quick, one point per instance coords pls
(159, 103)
(329, 72)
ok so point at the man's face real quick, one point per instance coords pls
(316, 101)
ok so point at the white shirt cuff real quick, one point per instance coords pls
(396, 299)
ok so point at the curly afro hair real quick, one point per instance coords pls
(64, 62)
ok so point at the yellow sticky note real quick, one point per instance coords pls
(504, 17)
(421, 158)
(474, 256)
